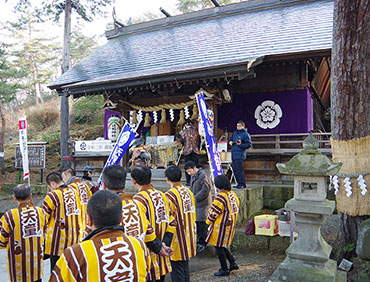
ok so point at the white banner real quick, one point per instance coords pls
(23, 147)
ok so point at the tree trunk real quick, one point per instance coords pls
(2, 135)
(350, 121)
(64, 105)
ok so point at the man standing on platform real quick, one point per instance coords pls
(190, 140)
(200, 185)
(240, 141)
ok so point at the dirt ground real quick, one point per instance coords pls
(253, 267)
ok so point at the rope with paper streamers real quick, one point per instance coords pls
(160, 107)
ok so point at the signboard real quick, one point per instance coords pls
(36, 157)
(98, 147)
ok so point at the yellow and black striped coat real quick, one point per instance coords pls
(184, 240)
(222, 217)
(22, 233)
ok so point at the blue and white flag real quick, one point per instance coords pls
(123, 142)
(210, 138)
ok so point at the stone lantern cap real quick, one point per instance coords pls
(309, 161)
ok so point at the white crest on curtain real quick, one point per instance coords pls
(268, 114)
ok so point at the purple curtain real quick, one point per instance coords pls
(107, 114)
(287, 111)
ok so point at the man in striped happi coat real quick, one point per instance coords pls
(134, 219)
(184, 240)
(63, 211)
(107, 253)
(22, 233)
(157, 210)
(84, 191)
(222, 217)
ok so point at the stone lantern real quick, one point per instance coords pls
(308, 257)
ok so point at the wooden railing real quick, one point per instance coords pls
(287, 143)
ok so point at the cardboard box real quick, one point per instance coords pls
(266, 224)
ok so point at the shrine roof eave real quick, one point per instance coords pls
(110, 83)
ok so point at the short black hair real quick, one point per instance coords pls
(173, 173)
(141, 174)
(114, 177)
(241, 122)
(22, 192)
(189, 164)
(55, 177)
(71, 171)
(222, 182)
(105, 208)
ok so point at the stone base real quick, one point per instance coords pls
(290, 270)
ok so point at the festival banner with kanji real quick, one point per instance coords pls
(211, 144)
(23, 147)
(123, 142)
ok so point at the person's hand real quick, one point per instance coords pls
(166, 251)
(231, 143)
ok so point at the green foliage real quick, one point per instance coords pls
(349, 248)
(187, 6)
(52, 9)
(8, 76)
(50, 136)
(87, 108)
(36, 55)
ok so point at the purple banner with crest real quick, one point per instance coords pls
(277, 112)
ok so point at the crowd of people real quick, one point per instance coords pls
(111, 235)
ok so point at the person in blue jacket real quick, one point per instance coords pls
(240, 141)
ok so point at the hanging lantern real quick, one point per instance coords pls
(134, 117)
(182, 118)
(194, 116)
(147, 120)
(163, 116)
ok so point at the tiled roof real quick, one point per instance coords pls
(214, 37)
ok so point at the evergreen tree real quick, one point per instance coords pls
(8, 88)
(35, 54)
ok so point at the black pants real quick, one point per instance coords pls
(160, 280)
(53, 262)
(222, 254)
(202, 231)
(180, 271)
(238, 168)
(191, 157)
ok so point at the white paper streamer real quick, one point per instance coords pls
(186, 111)
(172, 115)
(331, 182)
(362, 183)
(155, 116)
(347, 184)
(139, 116)
(336, 184)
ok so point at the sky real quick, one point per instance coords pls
(124, 10)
